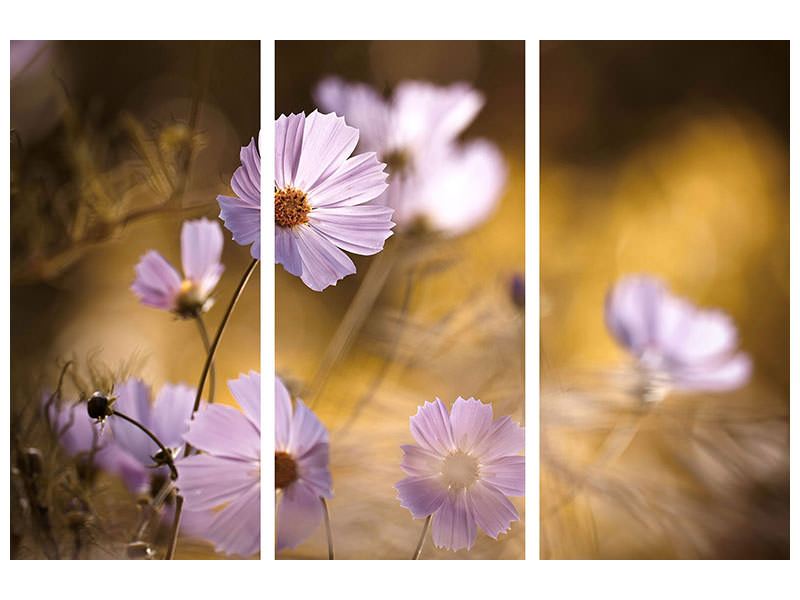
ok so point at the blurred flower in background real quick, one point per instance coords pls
(666, 158)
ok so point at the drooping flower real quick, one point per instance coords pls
(242, 213)
(229, 470)
(465, 465)
(321, 199)
(302, 474)
(158, 283)
(433, 180)
(676, 345)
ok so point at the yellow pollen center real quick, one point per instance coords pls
(285, 470)
(460, 470)
(291, 207)
(189, 303)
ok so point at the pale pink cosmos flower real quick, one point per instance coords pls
(465, 465)
(321, 199)
(434, 180)
(302, 473)
(228, 472)
(242, 213)
(158, 283)
(676, 345)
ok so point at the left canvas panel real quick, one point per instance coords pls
(134, 311)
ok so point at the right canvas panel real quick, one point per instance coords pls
(664, 282)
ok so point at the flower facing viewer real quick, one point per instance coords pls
(242, 213)
(676, 345)
(302, 474)
(321, 199)
(465, 465)
(229, 470)
(158, 283)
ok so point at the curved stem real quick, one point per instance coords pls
(212, 384)
(173, 536)
(215, 344)
(418, 551)
(151, 435)
(327, 527)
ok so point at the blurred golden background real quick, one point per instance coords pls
(444, 325)
(114, 145)
(669, 158)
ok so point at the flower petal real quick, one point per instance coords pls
(720, 376)
(313, 468)
(201, 249)
(306, 430)
(299, 514)
(493, 511)
(422, 496)
(631, 311)
(470, 420)
(288, 147)
(206, 481)
(357, 229)
(419, 462)
(246, 180)
(133, 400)
(507, 474)
(286, 252)
(246, 389)
(283, 415)
(504, 438)
(243, 220)
(157, 282)
(327, 142)
(236, 529)
(454, 524)
(170, 413)
(358, 180)
(323, 263)
(431, 428)
(225, 431)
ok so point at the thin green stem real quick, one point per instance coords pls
(173, 536)
(212, 384)
(418, 551)
(327, 527)
(220, 330)
(151, 435)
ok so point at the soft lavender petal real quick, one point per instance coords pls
(157, 282)
(225, 431)
(705, 335)
(507, 474)
(631, 311)
(170, 414)
(246, 180)
(493, 511)
(246, 389)
(460, 190)
(504, 438)
(288, 147)
(286, 252)
(283, 416)
(299, 514)
(419, 462)
(361, 105)
(323, 263)
(133, 400)
(243, 220)
(431, 428)
(454, 524)
(306, 430)
(719, 376)
(422, 496)
(327, 142)
(201, 249)
(358, 180)
(357, 229)
(470, 420)
(313, 468)
(236, 529)
(206, 481)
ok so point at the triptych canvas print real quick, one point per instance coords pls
(655, 261)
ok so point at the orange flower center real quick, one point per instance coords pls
(291, 207)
